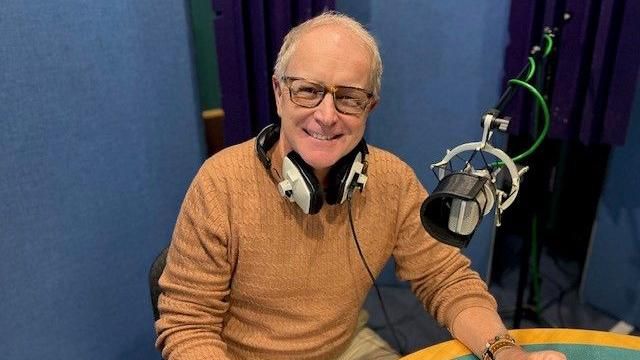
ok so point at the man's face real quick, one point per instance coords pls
(321, 135)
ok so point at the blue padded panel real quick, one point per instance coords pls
(613, 264)
(100, 136)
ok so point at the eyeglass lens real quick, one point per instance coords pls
(347, 100)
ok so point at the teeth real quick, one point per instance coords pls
(320, 136)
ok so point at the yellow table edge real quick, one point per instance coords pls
(453, 348)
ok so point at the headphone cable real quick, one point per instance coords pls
(373, 280)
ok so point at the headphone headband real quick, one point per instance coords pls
(265, 140)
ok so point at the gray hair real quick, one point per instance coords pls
(331, 18)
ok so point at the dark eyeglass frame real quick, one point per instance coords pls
(328, 89)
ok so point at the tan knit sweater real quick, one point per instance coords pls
(250, 276)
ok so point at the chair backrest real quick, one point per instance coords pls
(154, 275)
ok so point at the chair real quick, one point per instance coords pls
(154, 275)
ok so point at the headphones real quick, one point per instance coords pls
(300, 184)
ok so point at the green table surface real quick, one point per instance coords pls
(577, 344)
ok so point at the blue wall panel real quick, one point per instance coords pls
(443, 65)
(100, 135)
(610, 280)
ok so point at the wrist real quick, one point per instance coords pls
(499, 344)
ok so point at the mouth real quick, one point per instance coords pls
(320, 136)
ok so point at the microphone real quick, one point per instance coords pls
(455, 208)
(465, 214)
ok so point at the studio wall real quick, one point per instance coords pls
(100, 135)
(610, 279)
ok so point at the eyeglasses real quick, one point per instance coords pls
(309, 94)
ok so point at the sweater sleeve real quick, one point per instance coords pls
(195, 281)
(440, 275)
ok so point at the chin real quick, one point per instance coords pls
(322, 155)
(320, 161)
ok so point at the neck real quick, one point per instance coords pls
(321, 175)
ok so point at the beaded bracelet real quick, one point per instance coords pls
(496, 344)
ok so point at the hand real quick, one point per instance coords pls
(516, 353)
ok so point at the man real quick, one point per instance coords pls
(259, 268)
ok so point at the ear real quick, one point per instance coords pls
(277, 93)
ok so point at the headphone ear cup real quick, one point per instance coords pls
(342, 174)
(336, 179)
(307, 193)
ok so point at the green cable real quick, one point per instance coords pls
(532, 62)
(532, 69)
(535, 270)
(545, 111)
(547, 120)
(549, 45)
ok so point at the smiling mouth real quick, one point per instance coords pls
(319, 136)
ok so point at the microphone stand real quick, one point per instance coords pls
(434, 207)
(530, 311)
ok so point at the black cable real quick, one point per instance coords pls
(562, 289)
(566, 272)
(373, 280)
(558, 301)
(563, 323)
(552, 281)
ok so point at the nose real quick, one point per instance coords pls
(326, 113)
